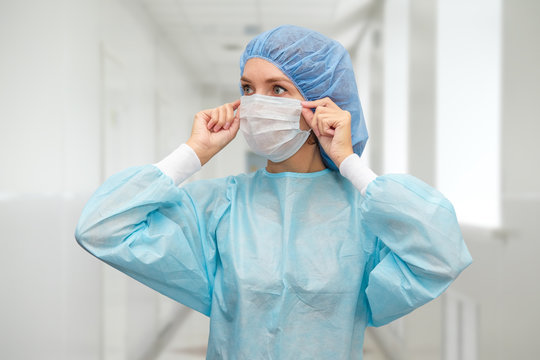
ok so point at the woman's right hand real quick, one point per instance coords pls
(213, 129)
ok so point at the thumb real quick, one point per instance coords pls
(308, 116)
(235, 104)
(235, 124)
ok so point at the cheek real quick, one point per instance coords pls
(303, 123)
(294, 93)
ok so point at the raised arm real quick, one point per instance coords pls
(420, 250)
(141, 223)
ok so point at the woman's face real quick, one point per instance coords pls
(264, 78)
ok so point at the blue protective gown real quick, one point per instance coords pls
(288, 265)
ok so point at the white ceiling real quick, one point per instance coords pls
(211, 34)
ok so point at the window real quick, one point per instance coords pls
(468, 108)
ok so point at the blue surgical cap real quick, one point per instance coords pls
(318, 66)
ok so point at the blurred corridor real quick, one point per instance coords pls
(451, 94)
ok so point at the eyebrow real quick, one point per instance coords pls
(270, 80)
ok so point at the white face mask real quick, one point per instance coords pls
(271, 126)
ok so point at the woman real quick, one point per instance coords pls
(294, 260)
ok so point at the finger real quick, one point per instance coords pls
(235, 104)
(205, 115)
(323, 124)
(213, 118)
(229, 113)
(325, 102)
(322, 118)
(308, 116)
(236, 120)
(221, 119)
(235, 125)
(229, 116)
(327, 128)
(326, 124)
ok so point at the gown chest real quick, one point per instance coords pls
(293, 236)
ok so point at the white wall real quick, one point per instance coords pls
(40, 101)
(49, 107)
(63, 66)
(504, 277)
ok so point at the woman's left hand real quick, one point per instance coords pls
(332, 125)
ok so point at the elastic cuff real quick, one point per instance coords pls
(357, 172)
(180, 164)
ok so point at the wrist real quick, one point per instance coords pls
(201, 151)
(342, 156)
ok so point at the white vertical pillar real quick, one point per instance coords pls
(422, 89)
(396, 84)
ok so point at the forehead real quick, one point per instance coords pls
(260, 68)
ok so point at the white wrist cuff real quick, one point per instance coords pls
(354, 169)
(180, 164)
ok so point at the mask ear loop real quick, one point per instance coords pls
(312, 139)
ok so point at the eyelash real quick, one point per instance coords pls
(247, 88)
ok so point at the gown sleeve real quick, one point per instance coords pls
(140, 223)
(419, 248)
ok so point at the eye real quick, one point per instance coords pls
(278, 90)
(247, 89)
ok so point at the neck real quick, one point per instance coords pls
(307, 159)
